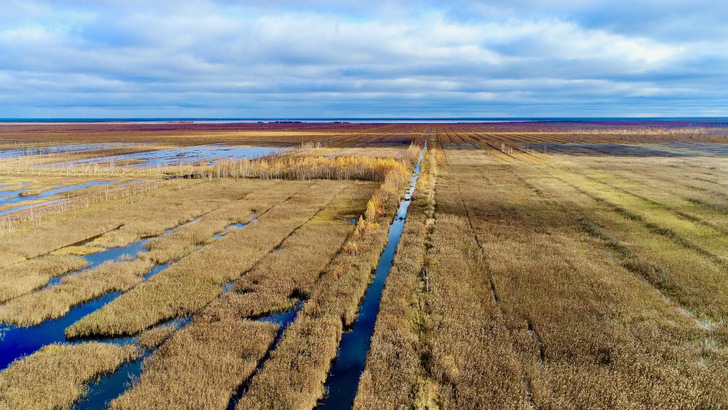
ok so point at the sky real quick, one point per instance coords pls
(355, 59)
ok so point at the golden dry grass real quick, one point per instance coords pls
(56, 301)
(394, 376)
(24, 277)
(200, 366)
(117, 223)
(292, 270)
(203, 351)
(121, 276)
(294, 375)
(56, 376)
(587, 332)
(198, 279)
(155, 336)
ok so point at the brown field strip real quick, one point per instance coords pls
(706, 239)
(662, 262)
(584, 327)
(56, 301)
(466, 328)
(200, 366)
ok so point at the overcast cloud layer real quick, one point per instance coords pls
(279, 58)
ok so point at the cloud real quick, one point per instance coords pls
(324, 58)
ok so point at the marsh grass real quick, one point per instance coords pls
(56, 376)
(282, 276)
(394, 376)
(56, 301)
(198, 352)
(584, 328)
(196, 280)
(117, 223)
(200, 366)
(24, 277)
(295, 374)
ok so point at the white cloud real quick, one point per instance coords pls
(336, 52)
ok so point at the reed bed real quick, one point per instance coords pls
(198, 279)
(467, 349)
(291, 271)
(294, 375)
(195, 353)
(24, 277)
(664, 263)
(394, 376)
(588, 332)
(314, 167)
(117, 223)
(188, 238)
(75, 200)
(121, 276)
(56, 376)
(200, 366)
(152, 338)
(56, 301)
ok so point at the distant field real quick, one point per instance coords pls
(537, 265)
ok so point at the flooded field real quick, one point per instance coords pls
(207, 154)
(498, 265)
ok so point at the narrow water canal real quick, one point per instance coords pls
(343, 379)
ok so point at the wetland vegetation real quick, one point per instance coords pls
(530, 265)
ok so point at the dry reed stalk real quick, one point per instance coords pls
(200, 366)
(198, 279)
(55, 376)
(295, 374)
(24, 277)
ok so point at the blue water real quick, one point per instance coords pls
(155, 271)
(16, 342)
(343, 379)
(16, 198)
(284, 318)
(57, 149)
(110, 386)
(7, 194)
(112, 254)
(228, 229)
(166, 157)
